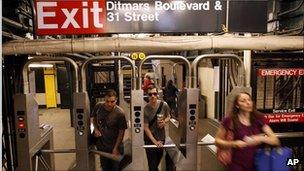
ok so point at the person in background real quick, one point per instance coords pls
(184, 85)
(109, 128)
(147, 82)
(246, 123)
(154, 126)
(170, 94)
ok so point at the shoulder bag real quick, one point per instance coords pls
(146, 138)
(224, 155)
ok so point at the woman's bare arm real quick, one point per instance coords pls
(222, 143)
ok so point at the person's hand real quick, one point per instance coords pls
(115, 152)
(159, 144)
(254, 140)
(97, 133)
(161, 124)
(239, 144)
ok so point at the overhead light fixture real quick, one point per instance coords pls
(41, 65)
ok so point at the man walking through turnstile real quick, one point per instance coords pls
(109, 128)
(156, 116)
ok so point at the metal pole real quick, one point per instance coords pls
(164, 146)
(45, 164)
(227, 17)
(36, 163)
(12, 164)
(108, 155)
(59, 151)
(16, 24)
(247, 64)
(174, 72)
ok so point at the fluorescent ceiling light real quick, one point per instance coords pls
(41, 65)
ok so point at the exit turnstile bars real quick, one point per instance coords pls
(241, 71)
(173, 71)
(30, 138)
(189, 127)
(40, 59)
(108, 58)
(166, 57)
(81, 106)
(240, 86)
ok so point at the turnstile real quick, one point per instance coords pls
(187, 129)
(32, 138)
(184, 133)
(84, 159)
(209, 156)
(240, 83)
(81, 108)
(137, 130)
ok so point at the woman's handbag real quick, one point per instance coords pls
(273, 159)
(224, 155)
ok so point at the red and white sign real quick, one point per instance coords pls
(280, 72)
(78, 17)
(284, 117)
(70, 17)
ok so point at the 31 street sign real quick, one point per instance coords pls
(133, 16)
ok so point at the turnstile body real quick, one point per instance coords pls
(185, 135)
(84, 160)
(137, 128)
(29, 137)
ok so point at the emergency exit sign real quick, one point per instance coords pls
(109, 16)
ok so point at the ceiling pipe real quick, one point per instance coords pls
(10, 35)
(16, 25)
(153, 44)
(77, 55)
(88, 54)
(291, 10)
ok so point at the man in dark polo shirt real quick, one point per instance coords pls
(109, 127)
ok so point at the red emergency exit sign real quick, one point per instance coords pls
(280, 72)
(70, 17)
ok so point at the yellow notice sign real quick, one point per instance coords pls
(138, 55)
(141, 56)
(134, 56)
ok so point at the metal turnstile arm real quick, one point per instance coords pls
(108, 155)
(279, 135)
(59, 151)
(38, 157)
(164, 146)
